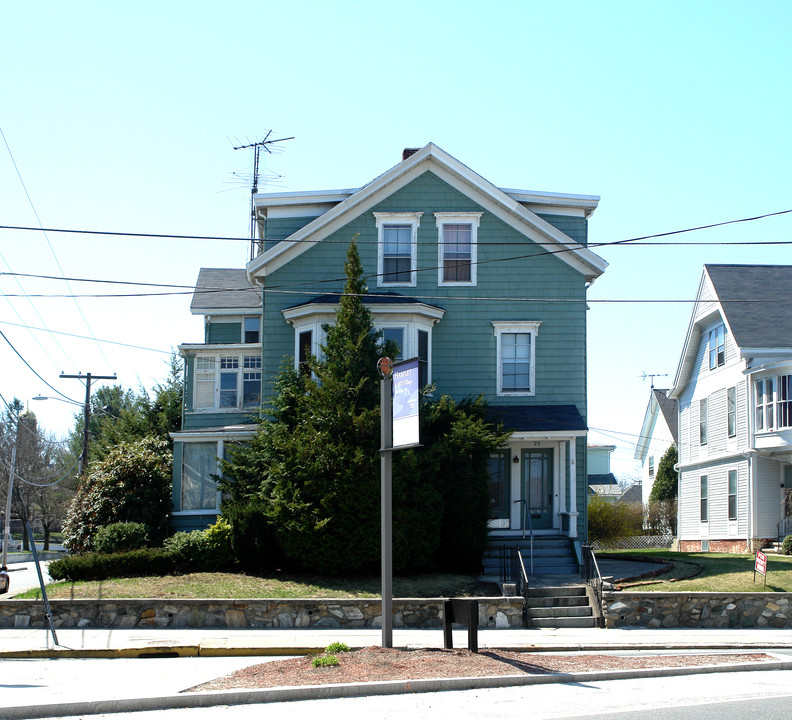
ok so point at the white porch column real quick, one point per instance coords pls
(562, 481)
(573, 513)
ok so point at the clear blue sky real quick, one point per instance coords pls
(117, 115)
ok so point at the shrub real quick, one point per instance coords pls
(121, 537)
(253, 539)
(336, 647)
(325, 661)
(786, 545)
(610, 520)
(132, 484)
(218, 552)
(97, 566)
(203, 550)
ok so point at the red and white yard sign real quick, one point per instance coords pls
(761, 565)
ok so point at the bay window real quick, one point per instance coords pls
(227, 382)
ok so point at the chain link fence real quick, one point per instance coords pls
(634, 542)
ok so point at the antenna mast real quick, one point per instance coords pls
(256, 245)
(652, 376)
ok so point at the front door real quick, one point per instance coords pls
(537, 488)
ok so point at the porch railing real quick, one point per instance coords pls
(591, 573)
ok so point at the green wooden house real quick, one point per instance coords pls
(485, 286)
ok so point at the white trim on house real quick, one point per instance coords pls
(452, 171)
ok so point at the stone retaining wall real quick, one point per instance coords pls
(698, 609)
(494, 612)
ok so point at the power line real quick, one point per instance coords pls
(49, 244)
(85, 337)
(170, 236)
(30, 367)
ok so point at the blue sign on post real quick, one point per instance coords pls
(405, 403)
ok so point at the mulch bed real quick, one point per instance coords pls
(374, 664)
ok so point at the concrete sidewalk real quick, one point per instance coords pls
(88, 643)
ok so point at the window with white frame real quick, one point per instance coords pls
(457, 247)
(731, 411)
(704, 498)
(227, 382)
(765, 404)
(732, 504)
(703, 421)
(198, 486)
(397, 248)
(251, 329)
(413, 341)
(785, 401)
(516, 356)
(651, 467)
(717, 347)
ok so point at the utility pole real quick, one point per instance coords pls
(88, 377)
(7, 518)
(257, 146)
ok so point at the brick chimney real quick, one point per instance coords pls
(407, 152)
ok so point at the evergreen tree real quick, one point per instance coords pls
(314, 466)
(665, 485)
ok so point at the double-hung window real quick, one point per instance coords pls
(457, 247)
(229, 381)
(732, 504)
(703, 421)
(516, 357)
(765, 406)
(704, 498)
(411, 342)
(199, 468)
(785, 401)
(397, 248)
(731, 411)
(717, 347)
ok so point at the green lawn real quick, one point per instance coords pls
(714, 572)
(238, 586)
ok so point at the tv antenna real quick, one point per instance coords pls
(653, 376)
(256, 245)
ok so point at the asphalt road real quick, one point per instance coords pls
(23, 576)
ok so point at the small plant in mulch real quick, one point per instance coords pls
(330, 658)
(325, 661)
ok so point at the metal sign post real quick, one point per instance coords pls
(399, 423)
(386, 498)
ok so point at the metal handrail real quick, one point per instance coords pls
(527, 521)
(592, 575)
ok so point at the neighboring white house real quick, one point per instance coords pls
(601, 481)
(658, 433)
(734, 387)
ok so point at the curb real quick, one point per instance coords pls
(210, 650)
(350, 690)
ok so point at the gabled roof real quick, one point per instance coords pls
(223, 291)
(659, 404)
(755, 304)
(459, 176)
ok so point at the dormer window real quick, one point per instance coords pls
(717, 347)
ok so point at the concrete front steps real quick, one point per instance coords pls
(559, 607)
(552, 555)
